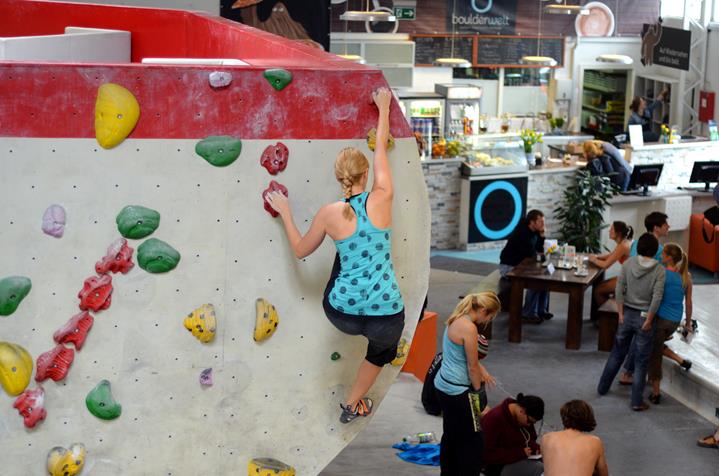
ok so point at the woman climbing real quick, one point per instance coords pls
(362, 296)
(622, 235)
(461, 450)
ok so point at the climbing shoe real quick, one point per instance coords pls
(362, 409)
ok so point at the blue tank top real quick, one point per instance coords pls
(672, 306)
(366, 284)
(453, 376)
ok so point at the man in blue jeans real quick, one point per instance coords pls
(640, 288)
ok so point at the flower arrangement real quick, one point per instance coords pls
(530, 137)
(665, 134)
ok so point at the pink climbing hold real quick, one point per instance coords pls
(31, 406)
(53, 221)
(275, 158)
(96, 293)
(75, 330)
(54, 363)
(117, 260)
(206, 377)
(273, 187)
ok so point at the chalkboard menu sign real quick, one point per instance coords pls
(429, 48)
(509, 50)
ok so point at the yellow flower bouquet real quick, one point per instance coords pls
(529, 138)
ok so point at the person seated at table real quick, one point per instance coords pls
(526, 241)
(622, 235)
(572, 452)
(510, 438)
(599, 162)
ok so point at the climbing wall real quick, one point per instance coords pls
(278, 398)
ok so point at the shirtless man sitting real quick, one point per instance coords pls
(572, 452)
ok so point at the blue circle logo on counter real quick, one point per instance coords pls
(516, 197)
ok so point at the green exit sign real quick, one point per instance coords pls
(404, 13)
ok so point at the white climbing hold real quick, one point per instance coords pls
(220, 79)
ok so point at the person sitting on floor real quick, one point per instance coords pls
(526, 241)
(510, 439)
(622, 235)
(572, 452)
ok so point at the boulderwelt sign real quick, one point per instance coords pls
(484, 17)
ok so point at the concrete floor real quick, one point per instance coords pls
(660, 441)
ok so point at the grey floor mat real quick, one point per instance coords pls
(446, 263)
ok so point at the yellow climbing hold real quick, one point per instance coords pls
(66, 462)
(116, 114)
(202, 323)
(402, 352)
(15, 368)
(372, 140)
(269, 467)
(266, 320)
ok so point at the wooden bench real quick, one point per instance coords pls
(608, 322)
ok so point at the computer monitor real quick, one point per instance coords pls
(645, 176)
(705, 172)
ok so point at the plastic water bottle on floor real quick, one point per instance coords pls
(417, 438)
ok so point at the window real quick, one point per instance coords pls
(527, 76)
(675, 8)
(715, 13)
(475, 73)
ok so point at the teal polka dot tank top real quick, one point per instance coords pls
(366, 284)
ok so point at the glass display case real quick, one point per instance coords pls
(425, 114)
(492, 156)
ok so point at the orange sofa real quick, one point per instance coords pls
(701, 253)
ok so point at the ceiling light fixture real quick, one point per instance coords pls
(367, 15)
(355, 58)
(564, 9)
(539, 59)
(451, 61)
(611, 58)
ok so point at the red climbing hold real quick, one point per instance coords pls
(96, 293)
(117, 260)
(54, 363)
(31, 406)
(273, 187)
(275, 158)
(75, 330)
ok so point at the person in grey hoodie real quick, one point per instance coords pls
(640, 287)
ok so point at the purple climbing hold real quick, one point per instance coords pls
(53, 221)
(220, 79)
(206, 377)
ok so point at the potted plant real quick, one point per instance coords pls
(581, 211)
(529, 138)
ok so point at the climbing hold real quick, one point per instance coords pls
(273, 187)
(266, 319)
(116, 114)
(402, 351)
(220, 79)
(278, 78)
(275, 157)
(54, 363)
(75, 330)
(202, 323)
(137, 222)
(53, 221)
(13, 290)
(117, 260)
(335, 356)
(372, 140)
(219, 151)
(31, 406)
(100, 402)
(156, 256)
(206, 378)
(66, 462)
(15, 368)
(269, 467)
(96, 293)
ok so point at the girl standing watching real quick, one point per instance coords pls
(362, 296)
(461, 451)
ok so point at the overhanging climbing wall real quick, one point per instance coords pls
(277, 398)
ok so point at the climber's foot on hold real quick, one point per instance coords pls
(361, 409)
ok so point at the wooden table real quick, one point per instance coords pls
(532, 275)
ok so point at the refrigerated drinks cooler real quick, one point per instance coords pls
(425, 114)
(462, 103)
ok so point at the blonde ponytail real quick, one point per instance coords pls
(350, 166)
(485, 300)
(680, 260)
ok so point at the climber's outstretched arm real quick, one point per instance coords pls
(301, 245)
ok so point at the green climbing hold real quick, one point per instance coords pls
(100, 402)
(335, 356)
(13, 289)
(156, 256)
(220, 151)
(278, 78)
(137, 222)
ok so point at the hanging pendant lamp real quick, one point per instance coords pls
(564, 9)
(367, 15)
(355, 58)
(618, 59)
(452, 61)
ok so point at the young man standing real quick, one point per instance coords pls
(640, 287)
(656, 224)
(572, 452)
(526, 241)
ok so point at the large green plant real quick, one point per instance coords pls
(581, 210)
